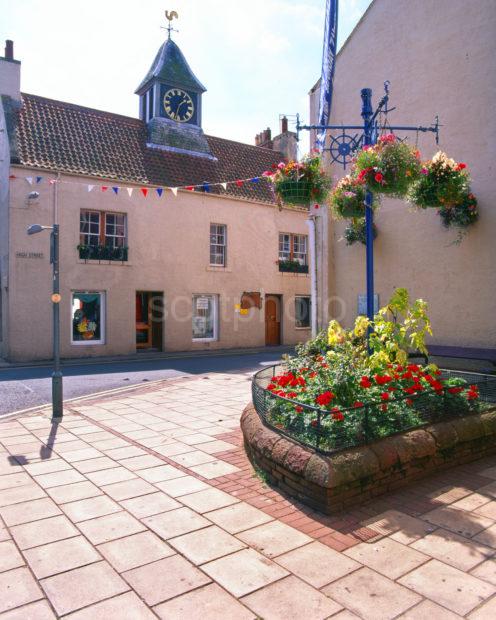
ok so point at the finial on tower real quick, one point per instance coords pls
(170, 16)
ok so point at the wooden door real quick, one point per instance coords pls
(272, 321)
(143, 321)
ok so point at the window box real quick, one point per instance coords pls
(292, 266)
(102, 252)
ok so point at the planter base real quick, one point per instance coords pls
(351, 477)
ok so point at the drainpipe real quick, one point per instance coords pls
(312, 242)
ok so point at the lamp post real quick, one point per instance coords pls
(57, 391)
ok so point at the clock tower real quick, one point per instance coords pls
(170, 103)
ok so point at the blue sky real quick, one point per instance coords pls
(258, 59)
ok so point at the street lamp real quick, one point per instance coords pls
(57, 406)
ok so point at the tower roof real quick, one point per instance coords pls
(171, 66)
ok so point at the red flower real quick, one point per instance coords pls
(455, 390)
(391, 388)
(472, 395)
(409, 401)
(410, 390)
(271, 386)
(384, 407)
(299, 409)
(461, 166)
(385, 396)
(337, 415)
(382, 379)
(357, 404)
(379, 177)
(413, 367)
(312, 374)
(325, 398)
(314, 423)
(365, 382)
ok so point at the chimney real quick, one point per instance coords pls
(10, 73)
(285, 142)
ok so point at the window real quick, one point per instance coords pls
(88, 318)
(302, 311)
(115, 230)
(102, 236)
(293, 248)
(218, 245)
(205, 325)
(89, 228)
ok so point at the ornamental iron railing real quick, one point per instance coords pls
(102, 252)
(314, 427)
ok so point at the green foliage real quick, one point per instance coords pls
(356, 232)
(301, 182)
(388, 167)
(460, 215)
(347, 198)
(443, 182)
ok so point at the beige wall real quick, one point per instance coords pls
(439, 56)
(168, 242)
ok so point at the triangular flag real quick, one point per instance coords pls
(115, 190)
(39, 179)
(255, 179)
(239, 183)
(190, 188)
(29, 180)
(173, 190)
(130, 191)
(224, 185)
(144, 191)
(12, 176)
(53, 181)
(90, 187)
(104, 188)
(206, 187)
(159, 191)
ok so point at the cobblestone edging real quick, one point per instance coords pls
(350, 477)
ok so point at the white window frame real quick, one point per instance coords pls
(103, 313)
(90, 234)
(300, 241)
(309, 312)
(215, 308)
(284, 242)
(223, 254)
(114, 237)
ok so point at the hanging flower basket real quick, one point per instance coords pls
(442, 183)
(388, 167)
(460, 215)
(300, 183)
(347, 199)
(356, 232)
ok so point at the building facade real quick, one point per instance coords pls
(439, 58)
(170, 240)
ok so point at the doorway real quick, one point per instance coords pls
(149, 320)
(272, 320)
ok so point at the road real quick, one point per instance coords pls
(21, 388)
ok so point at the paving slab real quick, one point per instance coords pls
(41, 532)
(60, 556)
(206, 544)
(18, 587)
(133, 551)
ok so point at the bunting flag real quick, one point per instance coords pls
(255, 179)
(115, 190)
(224, 185)
(190, 188)
(29, 180)
(206, 187)
(90, 187)
(239, 183)
(159, 191)
(12, 176)
(173, 190)
(39, 179)
(144, 191)
(130, 191)
(104, 188)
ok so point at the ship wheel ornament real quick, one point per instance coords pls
(343, 147)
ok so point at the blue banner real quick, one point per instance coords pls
(328, 65)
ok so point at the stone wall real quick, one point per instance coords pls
(350, 477)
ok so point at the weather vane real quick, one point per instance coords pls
(170, 16)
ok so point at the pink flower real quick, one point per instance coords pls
(424, 171)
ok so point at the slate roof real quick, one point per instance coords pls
(171, 66)
(58, 136)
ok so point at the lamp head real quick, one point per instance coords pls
(35, 228)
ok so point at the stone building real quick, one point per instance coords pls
(439, 58)
(170, 239)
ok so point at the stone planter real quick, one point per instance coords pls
(350, 477)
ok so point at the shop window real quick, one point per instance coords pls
(205, 321)
(302, 311)
(218, 245)
(88, 317)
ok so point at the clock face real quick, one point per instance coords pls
(178, 105)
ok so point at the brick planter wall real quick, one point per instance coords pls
(350, 477)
